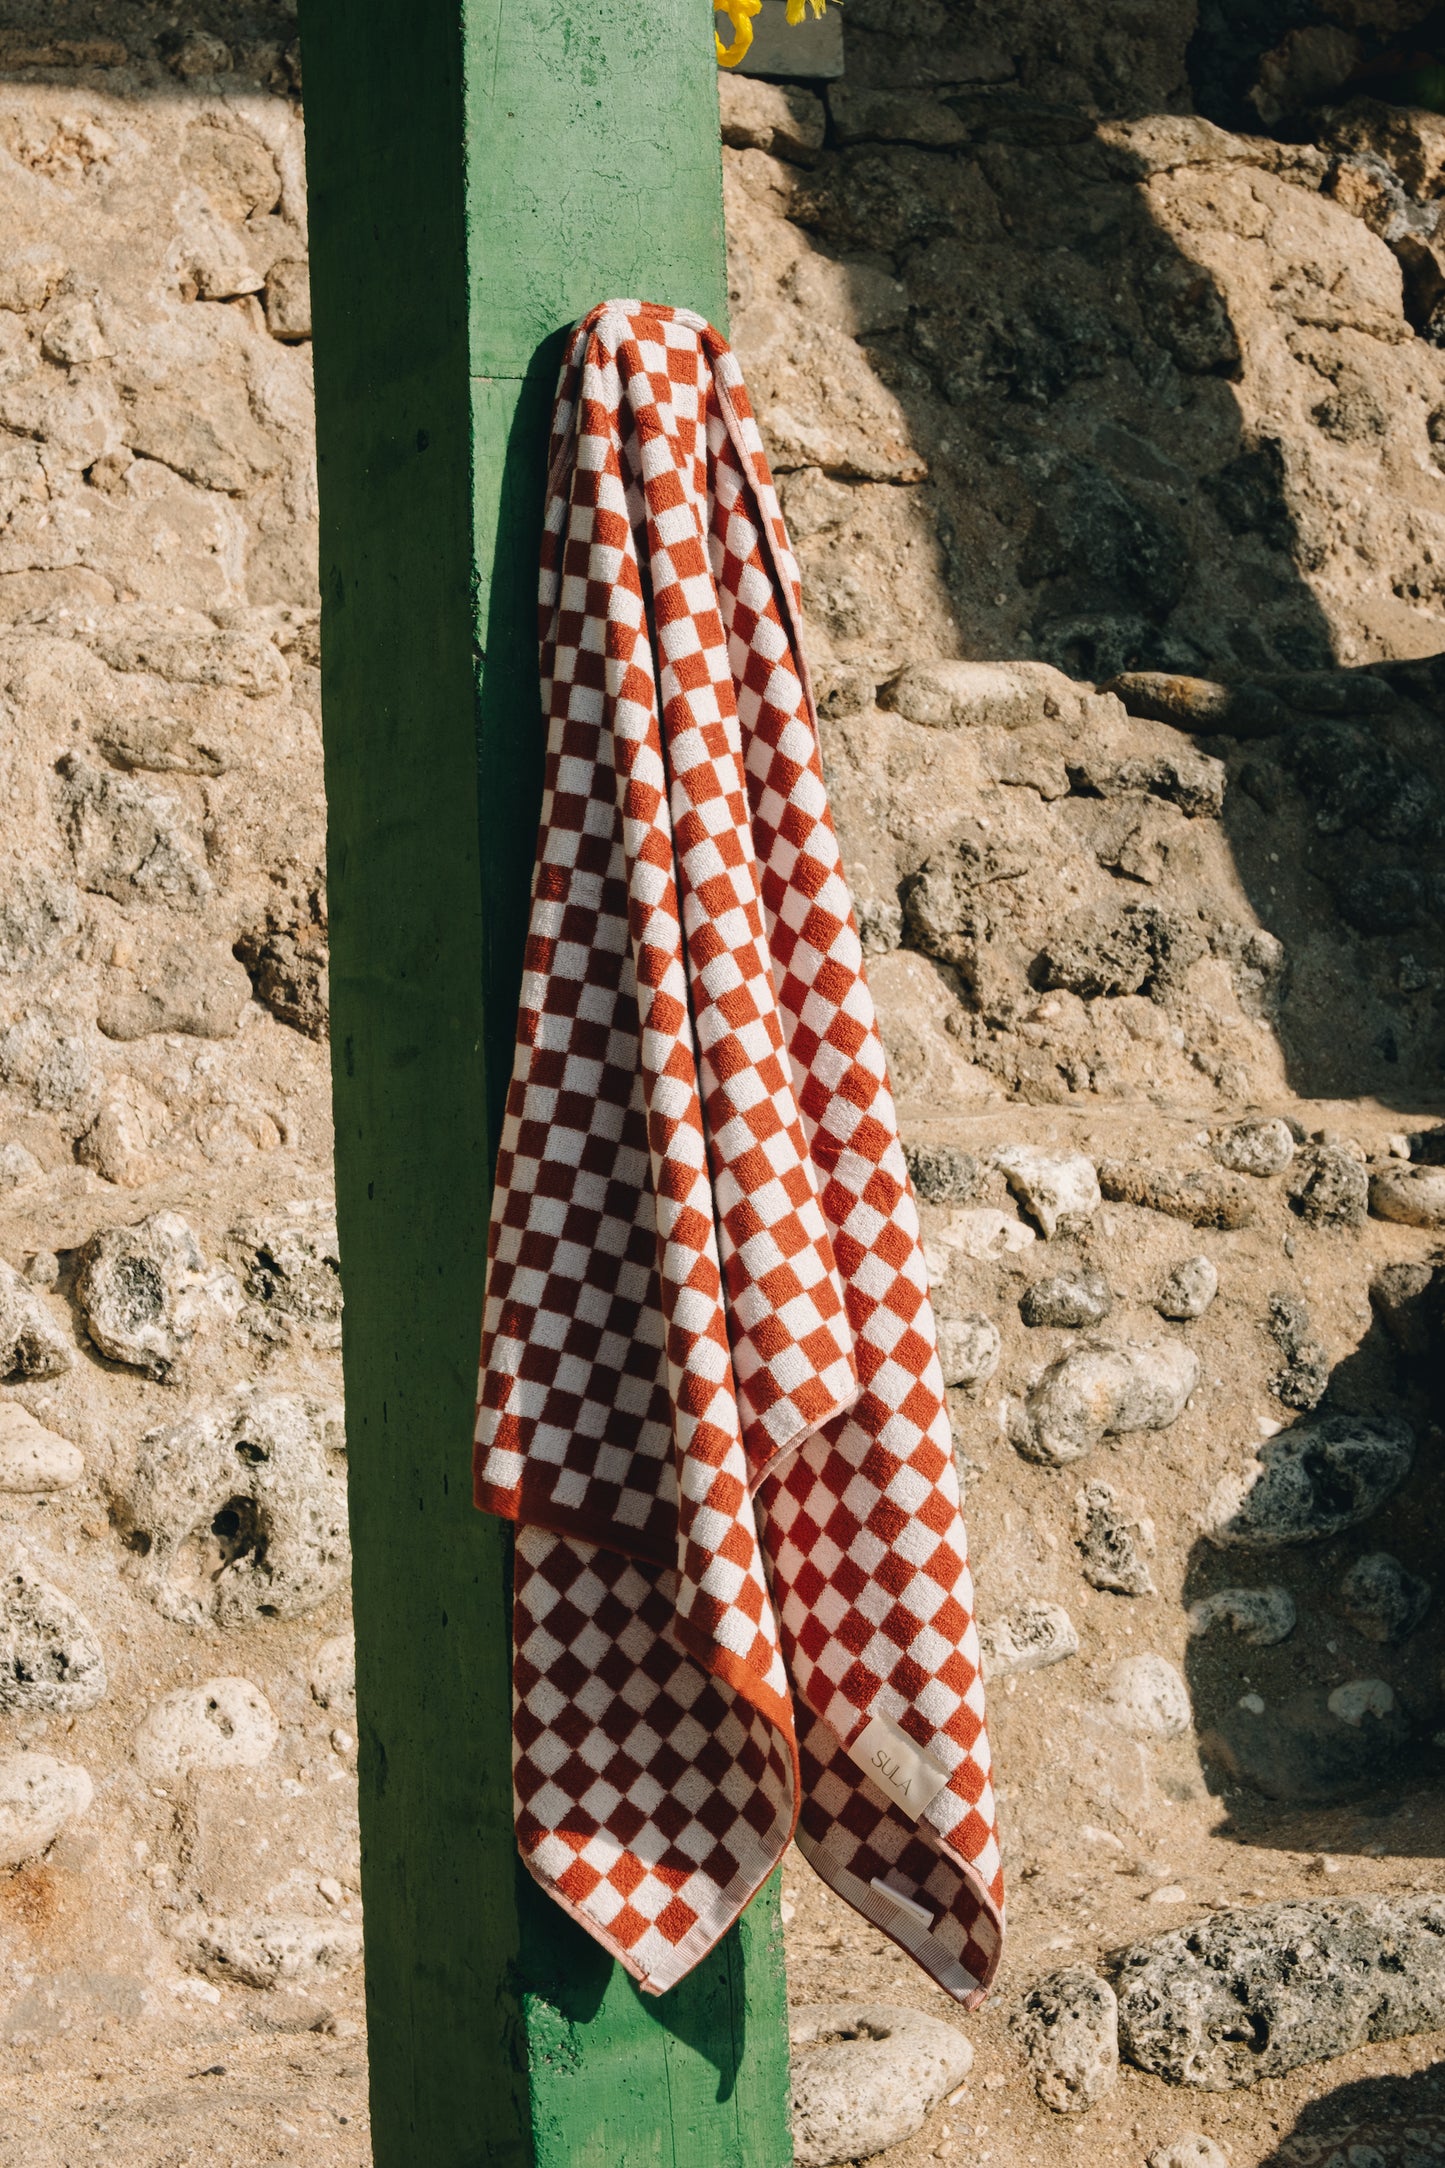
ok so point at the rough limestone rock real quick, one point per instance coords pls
(1067, 2026)
(145, 1292)
(1331, 1187)
(1314, 1746)
(333, 1674)
(199, 989)
(1075, 1300)
(31, 1344)
(1060, 1190)
(1382, 1600)
(292, 1267)
(969, 1349)
(1031, 1637)
(38, 1796)
(264, 1950)
(1260, 1616)
(33, 1458)
(1200, 1195)
(239, 1512)
(1147, 1698)
(221, 1724)
(1311, 1482)
(1189, 1290)
(952, 695)
(1305, 1376)
(1099, 1392)
(1112, 1543)
(985, 1232)
(1406, 1296)
(1250, 1994)
(50, 1657)
(866, 2076)
(1415, 1196)
(1255, 1146)
(942, 1173)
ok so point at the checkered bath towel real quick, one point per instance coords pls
(710, 1392)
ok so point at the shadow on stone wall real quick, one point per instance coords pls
(1168, 400)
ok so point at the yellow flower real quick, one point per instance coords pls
(740, 14)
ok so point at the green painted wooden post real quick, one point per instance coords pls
(481, 171)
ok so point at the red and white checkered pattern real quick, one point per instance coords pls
(710, 1390)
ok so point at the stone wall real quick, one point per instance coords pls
(178, 1859)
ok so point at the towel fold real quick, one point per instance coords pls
(710, 1391)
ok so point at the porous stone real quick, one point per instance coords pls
(984, 1231)
(1098, 1392)
(1191, 2149)
(866, 2076)
(1195, 782)
(942, 1173)
(1260, 1616)
(265, 1949)
(290, 974)
(129, 840)
(1112, 1544)
(1255, 1146)
(1119, 949)
(953, 695)
(333, 1674)
(1306, 1372)
(1147, 1698)
(196, 988)
(1029, 1638)
(239, 1511)
(38, 917)
(18, 1167)
(33, 1458)
(50, 1657)
(1189, 1290)
(781, 119)
(1314, 1746)
(118, 1142)
(1382, 1600)
(1067, 2027)
(292, 1266)
(288, 299)
(1060, 1190)
(1331, 1187)
(1406, 1297)
(1196, 1194)
(222, 1724)
(969, 1349)
(38, 1796)
(1414, 1196)
(1249, 1994)
(145, 1292)
(31, 1344)
(1311, 1482)
(1192, 703)
(1075, 1299)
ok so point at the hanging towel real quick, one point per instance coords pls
(710, 1390)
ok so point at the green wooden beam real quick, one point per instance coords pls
(481, 172)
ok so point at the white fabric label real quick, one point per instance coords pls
(917, 1912)
(895, 1764)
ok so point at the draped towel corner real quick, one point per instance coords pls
(710, 1390)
